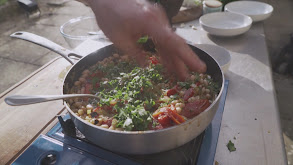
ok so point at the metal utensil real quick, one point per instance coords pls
(26, 99)
(65, 53)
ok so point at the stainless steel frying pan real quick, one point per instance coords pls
(134, 142)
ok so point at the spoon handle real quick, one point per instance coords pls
(16, 100)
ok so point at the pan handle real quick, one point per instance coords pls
(16, 100)
(46, 43)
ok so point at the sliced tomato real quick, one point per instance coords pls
(154, 60)
(167, 117)
(156, 114)
(162, 117)
(189, 93)
(195, 108)
(159, 112)
(164, 120)
(96, 109)
(173, 91)
(178, 119)
(108, 122)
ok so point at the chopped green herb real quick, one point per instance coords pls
(143, 39)
(185, 84)
(231, 146)
(132, 95)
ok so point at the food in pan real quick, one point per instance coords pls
(133, 98)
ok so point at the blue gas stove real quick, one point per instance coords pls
(65, 145)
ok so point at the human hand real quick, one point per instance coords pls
(124, 22)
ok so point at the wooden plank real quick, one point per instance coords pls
(20, 125)
(188, 14)
(27, 78)
(43, 131)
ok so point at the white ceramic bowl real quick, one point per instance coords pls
(220, 54)
(225, 23)
(258, 11)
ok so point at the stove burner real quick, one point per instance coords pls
(49, 159)
(185, 154)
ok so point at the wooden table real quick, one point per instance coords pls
(250, 120)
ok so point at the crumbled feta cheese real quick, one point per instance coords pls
(141, 111)
(127, 122)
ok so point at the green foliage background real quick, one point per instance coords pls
(2, 2)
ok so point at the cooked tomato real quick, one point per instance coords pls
(96, 109)
(157, 113)
(189, 93)
(167, 117)
(164, 120)
(193, 109)
(178, 119)
(108, 122)
(173, 91)
(154, 60)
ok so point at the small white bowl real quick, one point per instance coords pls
(258, 11)
(220, 54)
(225, 23)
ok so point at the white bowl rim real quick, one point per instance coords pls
(72, 21)
(270, 7)
(249, 22)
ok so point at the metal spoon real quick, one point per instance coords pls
(16, 100)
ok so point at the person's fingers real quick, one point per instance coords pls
(174, 65)
(166, 39)
(192, 61)
(179, 69)
(133, 49)
(139, 55)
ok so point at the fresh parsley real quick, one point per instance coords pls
(143, 39)
(231, 146)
